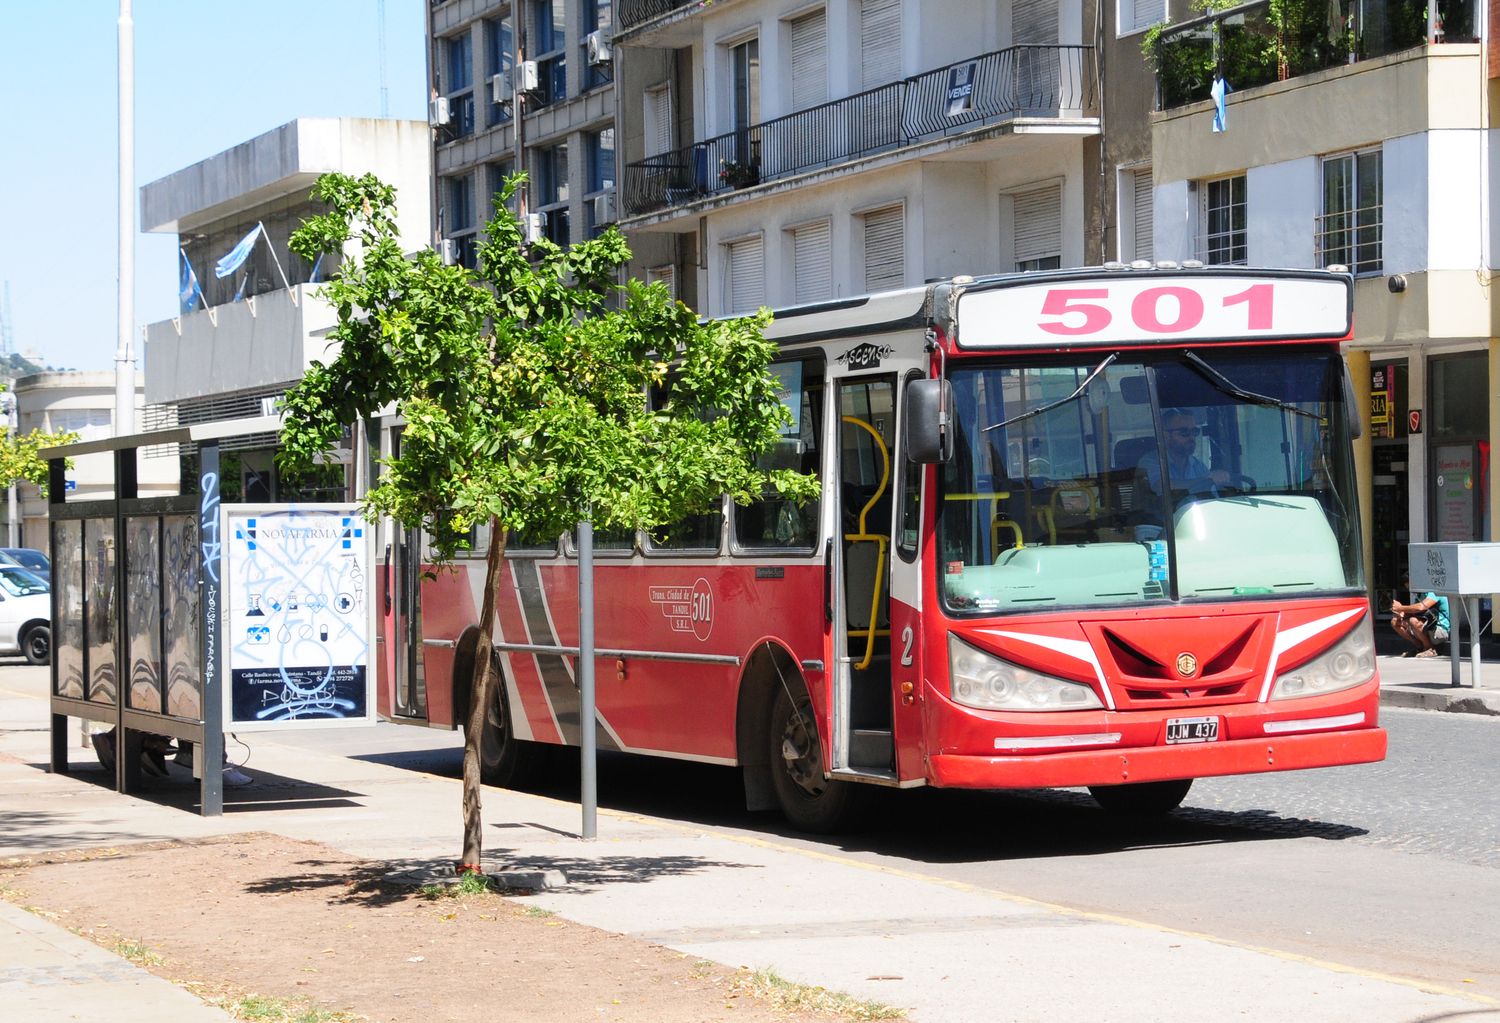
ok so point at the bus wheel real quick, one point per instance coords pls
(1142, 798)
(810, 801)
(504, 760)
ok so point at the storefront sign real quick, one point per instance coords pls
(298, 620)
(1380, 402)
(1453, 477)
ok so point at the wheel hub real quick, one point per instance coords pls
(800, 755)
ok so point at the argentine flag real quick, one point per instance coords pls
(188, 290)
(235, 257)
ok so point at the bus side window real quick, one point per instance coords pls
(909, 526)
(771, 522)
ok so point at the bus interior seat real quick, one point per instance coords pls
(1127, 456)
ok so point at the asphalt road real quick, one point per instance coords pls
(1390, 868)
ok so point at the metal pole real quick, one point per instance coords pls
(124, 355)
(1475, 625)
(586, 725)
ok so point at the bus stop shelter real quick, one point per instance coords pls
(136, 605)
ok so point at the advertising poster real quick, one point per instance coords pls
(299, 621)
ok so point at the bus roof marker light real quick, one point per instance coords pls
(1115, 264)
(1141, 264)
(1336, 268)
(963, 279)
(1192, 264)
(1167, 264)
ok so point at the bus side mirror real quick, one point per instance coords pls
(929, 440)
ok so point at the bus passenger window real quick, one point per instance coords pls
(697, 533)
(772, 522)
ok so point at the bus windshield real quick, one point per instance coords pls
(1112, 478)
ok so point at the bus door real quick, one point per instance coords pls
(401, 614)
(862, 740)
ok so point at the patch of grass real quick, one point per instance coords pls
(788, 996)
(134, 952)
(268, 1009)
(538, 911)
(467, 884)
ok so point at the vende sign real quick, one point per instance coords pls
(1135, 307)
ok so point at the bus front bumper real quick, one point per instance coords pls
(1158, 763)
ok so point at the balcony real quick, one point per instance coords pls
(1251, 45)
(1018, 82)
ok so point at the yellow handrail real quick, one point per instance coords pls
(878, 539)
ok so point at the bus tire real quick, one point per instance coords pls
(504, 760)
(809, 800)
(1142, 799)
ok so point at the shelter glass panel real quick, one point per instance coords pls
(180, 619)
(99, 608)
(67, 631)
(143, 607)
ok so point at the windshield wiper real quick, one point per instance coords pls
(1232, 389)
(1039, 410)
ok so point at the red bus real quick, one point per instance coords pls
(1090, 527)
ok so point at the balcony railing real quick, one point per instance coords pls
(1251, 45)
(1016, 82)
(1355, 238)
(636, 12)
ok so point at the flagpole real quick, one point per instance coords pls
(124, 354)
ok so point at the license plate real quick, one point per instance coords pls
(1192, 729)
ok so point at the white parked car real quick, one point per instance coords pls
(25, 614)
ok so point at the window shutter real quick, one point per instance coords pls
(666, 274)
(809, 61)
(879, 42)
(1034, 21)
(1144, 246)
(1145, 13)
(658, 122)
(747, 276)
(812, 262)
(885, 248)
(1037, 216)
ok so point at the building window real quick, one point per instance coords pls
(1223, 219)
(812, 262)
(879, 42)
(600, 147)
(499, 54)
(460, 85)
(885, 248)
(744, 91)
(1036, 228)
(495, 175)
(1139, 15)
(809, 60)
(552, 191)
(658, 120)
(744, 275)
(1351, 228)
(459, 223)
(549, 18)
(666, 274)
(598, 16)
(1136, 209)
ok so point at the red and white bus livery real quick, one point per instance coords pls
(1077, 528)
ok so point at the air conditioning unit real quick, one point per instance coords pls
(536, 226)
(448, 249)
(437, 111)
(604, 208)
(598, 46)
(526, 76)
(500, 90)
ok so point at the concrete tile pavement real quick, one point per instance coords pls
(1425, 683)
(944, 950)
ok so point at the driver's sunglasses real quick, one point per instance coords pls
(1187, 431)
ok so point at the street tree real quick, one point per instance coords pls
(18, 455)
(535, 391)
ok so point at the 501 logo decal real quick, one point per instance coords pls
(687, 608)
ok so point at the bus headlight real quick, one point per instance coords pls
(1348, 663)
(978, 679)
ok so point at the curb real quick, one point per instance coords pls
(1453, 700)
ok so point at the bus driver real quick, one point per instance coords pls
(1185, 472)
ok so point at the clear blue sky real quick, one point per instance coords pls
(208, 75)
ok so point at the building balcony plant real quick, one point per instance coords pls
(738, 175)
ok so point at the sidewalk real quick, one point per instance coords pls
(1425, 683)
(947, 952)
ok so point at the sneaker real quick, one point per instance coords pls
(153, 763)
(104, 748)
(235, 778)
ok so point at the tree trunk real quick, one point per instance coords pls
(481, 693)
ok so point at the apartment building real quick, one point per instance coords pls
(242, 339)
(553, 116)
(778, 151)
(1361, 139)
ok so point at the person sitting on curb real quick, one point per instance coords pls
(1423, 624)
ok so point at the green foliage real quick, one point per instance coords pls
(523, 385)
(19, 460)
